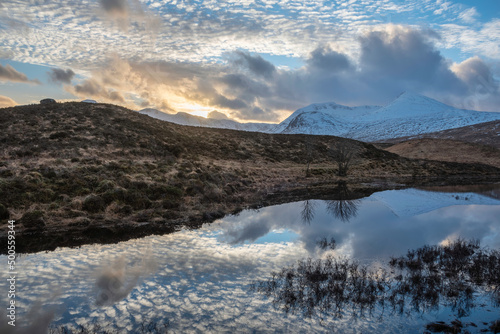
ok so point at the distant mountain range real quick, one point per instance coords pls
(183, 118)
(409, 114)
(414, 202)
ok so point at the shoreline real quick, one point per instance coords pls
(110, 232)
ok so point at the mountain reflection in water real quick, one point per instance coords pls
(199, 280)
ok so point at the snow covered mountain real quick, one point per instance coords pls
(324, 119)
(183, 118)
(410, 114)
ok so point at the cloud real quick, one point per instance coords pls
(8, 73)
(6, 102)
(483, 88)
(325, 59)
(117, 278)
(391, 59)
(115, 7)
(224, 102)
(481, 40)
(92, 88)
(36, 321)
(476, 74)
(469, 15)
(401, 58)
(256, 64)
(57, 75)
(130, 14)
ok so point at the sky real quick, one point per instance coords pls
(250, 60)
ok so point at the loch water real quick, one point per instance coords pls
(200, 281)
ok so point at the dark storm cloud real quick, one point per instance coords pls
(400, 56)
(8, 73)
(59, 75)
(243, 86)
(325, 59)
(256, 64)
(391, 60)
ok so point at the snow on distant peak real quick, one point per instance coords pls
(414, 202)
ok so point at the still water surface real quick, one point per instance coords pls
(199, 280)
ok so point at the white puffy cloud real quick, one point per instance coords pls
(469, 15)
(483, 40)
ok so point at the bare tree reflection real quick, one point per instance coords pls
(346, 206)
(326, 244)
(307, 213)
(421, 281)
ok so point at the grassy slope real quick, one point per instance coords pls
(482, 133)
(74, 173)
(447, 150)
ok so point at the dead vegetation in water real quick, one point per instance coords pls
(422, 281)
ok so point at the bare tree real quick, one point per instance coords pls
(343, 153)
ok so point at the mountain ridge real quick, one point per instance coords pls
(409, 114)
(184, 118)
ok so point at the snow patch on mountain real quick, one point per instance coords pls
(410, 114)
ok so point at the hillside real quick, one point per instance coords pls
(447, 150)
(74, 173)
(487, 133)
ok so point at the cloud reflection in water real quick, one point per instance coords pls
(200, 279)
